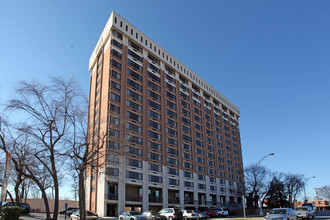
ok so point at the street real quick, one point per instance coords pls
(321, 215)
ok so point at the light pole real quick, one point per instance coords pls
(305, 188)
(257, 165)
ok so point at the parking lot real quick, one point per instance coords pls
(321, 216)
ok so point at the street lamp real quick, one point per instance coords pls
(305, 188)
(257, 165)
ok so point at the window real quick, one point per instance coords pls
(187, 174)
(133, 163)
(171, 141)
(174, 182)
(134, 65)
(153, 67)
(114, 108)
(116, 64)
(185, 129)
(115, 97)
(199, 143)
(172, 161)
(186, 137)
(154, 114)
(199, 135)
(133, 175)
(200, 177)
(134, 139)
(154, 135)
(134, 84)
(116, 43)
(116, 53)
(197, 126)
(134, 74)
(200, 168)
(114, 133)
(201, 186)
(185, 120)
(134, 151)
(133, 116)
(153, 76)
(185, 112)
(187, 156)
(134, 105)
(188, 184)
(134, 95)
(169, 86)
(133, 127)
(186, 146)
(154, 125)
(184, 104)
(112, 171)
(170, 104)
(116, 74)
(154, 145)
(155, 179)
(170, 113)
(172, 151)
(153, 85)
(199, 159)
(154, 105)
(199, 151)
(154, 167)
(153, 95)
(170, 122)
(171, 132)
(154, 156)
(173, 171)
(170, 95)
(112, 145)
(135, 55)
(187, 165)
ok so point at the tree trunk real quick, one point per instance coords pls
(82, 203)
(17, 185)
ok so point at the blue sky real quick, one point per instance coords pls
(271, 58)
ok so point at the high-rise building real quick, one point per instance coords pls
(171, 138)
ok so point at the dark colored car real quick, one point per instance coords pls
(212, 213)
(153, 215)
(63, 211)
(25, 206)
(71, 211)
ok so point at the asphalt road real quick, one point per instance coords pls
(322, 215)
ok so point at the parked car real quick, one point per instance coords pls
(25, 206)
(189, 214)
(305, 212)
(171, 213)
(71, 211)
(153, 215)
(212, 213)
(132, 215)
(201, 214)
(89, 215)
(219, 212)
(282, 213)
(63, 211)
(312, 205)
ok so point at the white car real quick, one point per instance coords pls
(89, 215)
(282, 213)
(305, 212)
(132, 215)
(201, 214)
(189, 214)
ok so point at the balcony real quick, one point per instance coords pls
(112, 197)
(133, 198)
(155, 199)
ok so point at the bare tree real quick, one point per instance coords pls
(45, 112)
(324, 191)
(255, 178)
(294, 184)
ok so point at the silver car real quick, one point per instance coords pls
(132, 215)
(282, 213)
(305, 212)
